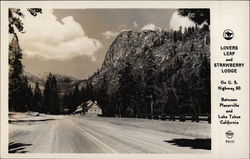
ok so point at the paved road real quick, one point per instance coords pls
(69, 134)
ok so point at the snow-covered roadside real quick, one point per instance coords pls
(192, 129)
(28, 121)
(26, 117)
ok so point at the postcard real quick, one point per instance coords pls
(124, 79)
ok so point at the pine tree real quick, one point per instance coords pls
(65, 100)
(181, 92)
(104, 99)
(83, 95)
(76, 100)
(203, 89)
(179, 34)
(27, 94)
(47, 92)
(149, 70)
(18, 85)
(175, 36)
(127, 90)
(15, 76)
(20, 93)
(37, 98)
(170, 104)
(140, 96)
(89, 91)
(51, 96)
(185, 34)
(55, 97)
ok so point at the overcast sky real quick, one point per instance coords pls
(75, 42)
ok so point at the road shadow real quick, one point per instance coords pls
(15, 147)
(193, 143)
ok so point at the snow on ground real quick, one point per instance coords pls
(18, 120)
(25, 117)
(189, 128)
(192, 129)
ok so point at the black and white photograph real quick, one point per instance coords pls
(109, 80)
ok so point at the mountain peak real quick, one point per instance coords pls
(66, 83)
(132, 43)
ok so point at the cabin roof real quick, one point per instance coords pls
(91, 104)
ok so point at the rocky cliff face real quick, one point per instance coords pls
(166, 47)
(130, 43)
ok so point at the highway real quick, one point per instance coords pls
(76, 134)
